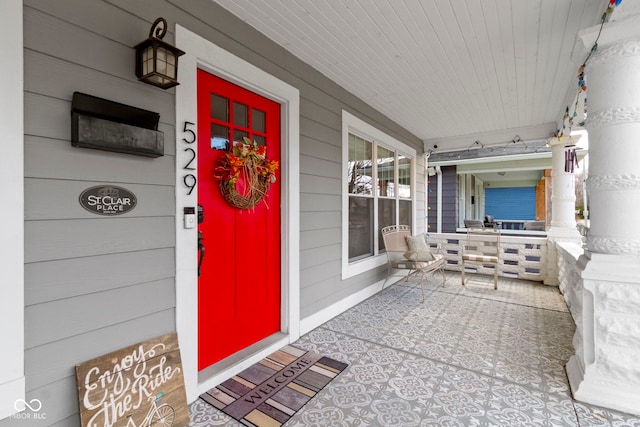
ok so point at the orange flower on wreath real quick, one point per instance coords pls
(248, 161)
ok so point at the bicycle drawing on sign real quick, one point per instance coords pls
(158, 416)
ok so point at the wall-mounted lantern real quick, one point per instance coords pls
(156, 60)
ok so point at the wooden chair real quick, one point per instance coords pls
(396, 247)
(482, 247)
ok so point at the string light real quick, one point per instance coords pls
(482, 148)
(568, 118)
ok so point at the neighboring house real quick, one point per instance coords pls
(511, 187)
(94, 284)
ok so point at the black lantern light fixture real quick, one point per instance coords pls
(156, 60)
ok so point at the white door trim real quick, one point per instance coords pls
(12, 380)
(203, 54)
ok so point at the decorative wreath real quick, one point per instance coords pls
(248, 164)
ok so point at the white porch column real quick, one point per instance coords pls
(563, 207)
(605, 370)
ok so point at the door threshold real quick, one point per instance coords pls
(237, 362)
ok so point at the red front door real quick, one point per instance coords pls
(239, 283)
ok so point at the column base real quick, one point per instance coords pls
(588, 387)
(554, 235)
(605, 369)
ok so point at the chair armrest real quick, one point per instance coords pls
(395, 255)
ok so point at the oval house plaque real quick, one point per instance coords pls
(107, 200)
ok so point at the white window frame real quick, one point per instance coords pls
(356, 126)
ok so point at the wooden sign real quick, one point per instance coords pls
(141, 385)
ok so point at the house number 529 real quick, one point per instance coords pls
(189, 179)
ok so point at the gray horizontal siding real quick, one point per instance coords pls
(319, 220)
(66, 278)
(318, 238)
(320, 167)
(73, 78)
(310, 202)
(313, 184)
(59, 319)
(43, 158)
(76, 238)
(315, 148)
(320, 275)
(310, 258)
(61, 362)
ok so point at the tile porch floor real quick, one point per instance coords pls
(468, 356)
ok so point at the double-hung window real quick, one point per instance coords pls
(378, 190)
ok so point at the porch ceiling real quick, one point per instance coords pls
(450, 72)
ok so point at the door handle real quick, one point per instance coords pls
(201, 250)
(200, 214)
(200, 238)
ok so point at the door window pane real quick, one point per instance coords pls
(219, 137)
(259, 139)
(239, 135)
(219, 108)
(360, 227)
(386, 172)
(240, 115)
(257, 120)
(359, 173)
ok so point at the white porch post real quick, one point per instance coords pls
(563, 206)
(605, 369)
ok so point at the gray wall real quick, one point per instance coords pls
(96, 284)
(449, 200)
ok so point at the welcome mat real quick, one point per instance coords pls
(274, 389)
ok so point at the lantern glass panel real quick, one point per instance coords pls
(161, 60)
(171, 71)
(147, 60)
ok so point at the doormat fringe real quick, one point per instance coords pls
(274, 389)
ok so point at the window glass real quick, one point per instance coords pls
(360, 227)
(404, 214)
(404, 178)
(359, 172)
(386, 216)
(386, 161)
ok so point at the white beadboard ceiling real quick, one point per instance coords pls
(450, 71)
